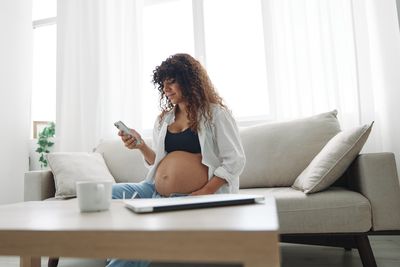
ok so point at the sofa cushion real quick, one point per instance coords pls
(70, 167)
(126, 165)
(75, 262)
(336, 210)
(276, 153)
(333, 160)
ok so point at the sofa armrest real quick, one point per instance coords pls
(374, 175)
(38, 185)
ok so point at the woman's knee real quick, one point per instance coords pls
(119, 191)
(126, 190)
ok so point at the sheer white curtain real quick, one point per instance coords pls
(311, 58)
(98, 70)
(378, 53)
(342, 54)
(320, 55)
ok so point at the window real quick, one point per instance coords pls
(235, 56)
(226, 35)
(167, 30)
(43, 105)
(231, 47)
(43, 9)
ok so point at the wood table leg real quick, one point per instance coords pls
(28, 261)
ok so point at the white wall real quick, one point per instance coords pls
(15, 94)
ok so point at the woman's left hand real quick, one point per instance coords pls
(211, 187)
(202, 191)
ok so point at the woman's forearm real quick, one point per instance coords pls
(211, 186)
(214, 184)
(148, 154)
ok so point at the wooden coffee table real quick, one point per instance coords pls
(245, 234)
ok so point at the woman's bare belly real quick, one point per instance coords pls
(180, 172)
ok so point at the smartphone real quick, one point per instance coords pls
(122, 127)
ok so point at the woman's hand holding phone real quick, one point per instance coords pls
(130, 137)
(130, 141)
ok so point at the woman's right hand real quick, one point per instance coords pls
(130, 141)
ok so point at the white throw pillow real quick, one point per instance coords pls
(276, 153)
(70, 167)
(333, 160)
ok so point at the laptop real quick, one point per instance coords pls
(146, 205)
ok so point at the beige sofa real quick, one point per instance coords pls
(364, 201)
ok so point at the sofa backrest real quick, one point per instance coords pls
(276, 153)
(125, 165)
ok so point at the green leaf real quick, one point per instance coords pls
(44, 144)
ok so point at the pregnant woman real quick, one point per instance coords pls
(196, 148)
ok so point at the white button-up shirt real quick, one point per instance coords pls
(221, 148)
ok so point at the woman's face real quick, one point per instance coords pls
(173, 91)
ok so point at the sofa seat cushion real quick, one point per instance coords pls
(335, 210)
(76, 262)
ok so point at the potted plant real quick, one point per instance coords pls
(44, 143)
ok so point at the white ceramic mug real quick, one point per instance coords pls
(94, 195)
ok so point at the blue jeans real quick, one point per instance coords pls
(144, 190)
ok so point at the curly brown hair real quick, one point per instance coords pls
(197, 88)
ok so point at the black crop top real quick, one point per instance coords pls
(183, 141)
